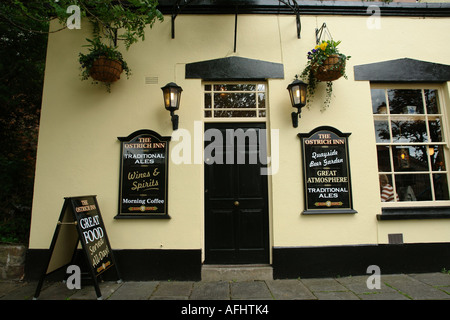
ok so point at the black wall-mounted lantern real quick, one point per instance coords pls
(172, 96)
(297, 93)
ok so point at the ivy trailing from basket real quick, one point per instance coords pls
(325, 64)
(93, 61)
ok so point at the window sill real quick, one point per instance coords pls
(409, 213)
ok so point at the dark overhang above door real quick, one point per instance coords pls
(403, 70)
(234, 68)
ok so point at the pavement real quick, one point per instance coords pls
(423, 286)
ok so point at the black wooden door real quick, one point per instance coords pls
(236, 210)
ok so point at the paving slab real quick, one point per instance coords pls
(25, 291)
(336, 295)
(9, 286)
(413, 288)
(173, 290)
(358, 285)
(326, 284)
(250, 290)
(88, 292)
(383, 296)
(289, 289)
(56, 291)
(211, 291)
(134, 291)
(436, 279)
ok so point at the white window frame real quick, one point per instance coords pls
(444, 143)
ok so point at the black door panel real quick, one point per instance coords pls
(236, 212)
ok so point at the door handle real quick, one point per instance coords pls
(236, 203)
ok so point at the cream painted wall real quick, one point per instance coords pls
(78, 150)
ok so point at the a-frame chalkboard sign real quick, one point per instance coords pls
(80, 221)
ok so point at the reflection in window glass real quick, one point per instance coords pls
(382, 131)
(207, 100)
(431, 101)
(409, 130)
(435, 129)
(379, 101)
(234, 114)
(413, 187)
(405, 101)
(235, 100)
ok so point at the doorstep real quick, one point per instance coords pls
(246, 272)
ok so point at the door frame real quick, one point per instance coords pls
(236, 124)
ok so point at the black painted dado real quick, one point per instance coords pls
(134, 265)
(333, 261)
(234, 68)
(403, 70)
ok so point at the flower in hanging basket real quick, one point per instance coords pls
(102, 63)
(325, 64)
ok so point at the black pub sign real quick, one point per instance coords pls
(143, 175)
(326, 171)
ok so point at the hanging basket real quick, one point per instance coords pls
(331, 69)
(106, 70)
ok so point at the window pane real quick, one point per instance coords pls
(405, 101)
(207, 87)
(382, 133)
(384, 165)
(432, 101)
(261, 87)
(234, 87)
(440, 186)
(378, 101)
(410, 158)
(435, 129)
(413, 187)
(409, 130)
(437, 158)
(386, 190)
(207, 100)
(261, 100)
(208, 114)
(233, 114)
(235, 100)
(262, 113)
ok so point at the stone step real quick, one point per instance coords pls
(246, 272)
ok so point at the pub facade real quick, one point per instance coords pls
(229, 177)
